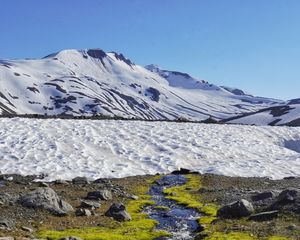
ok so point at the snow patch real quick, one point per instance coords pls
(65, 149)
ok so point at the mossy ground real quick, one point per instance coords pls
(139, 228)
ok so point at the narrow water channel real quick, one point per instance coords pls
(176, 219)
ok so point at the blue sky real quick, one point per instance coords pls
(251, 44)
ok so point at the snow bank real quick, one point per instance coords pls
(64, 149)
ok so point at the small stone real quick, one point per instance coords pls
(238, 209)
(10, 179)
(27, 229)
(80, 181)
(264, 216)
(83, 212)
(99, 195)
(90, 204)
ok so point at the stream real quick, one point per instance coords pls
(176, 219)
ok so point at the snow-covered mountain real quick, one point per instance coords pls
(287, 114)
(88, 82)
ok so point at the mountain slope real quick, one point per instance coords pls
(287, 114)
(88, 82)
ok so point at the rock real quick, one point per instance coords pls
(289, 178)
(70, 238)
(238, 209)
(83, 212)
(27, 229)
(7, 238)
(118, 212)
(80, 180)
(288, 196)
(183, 171)
(262, 196)
(10, 179)
(6, 224)
(89, 204)
(264, 216)
(99, 195)
(46, 198)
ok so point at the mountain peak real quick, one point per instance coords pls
(120, 56)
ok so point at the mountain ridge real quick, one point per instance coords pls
(94, 82)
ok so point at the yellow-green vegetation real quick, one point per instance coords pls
(140, 227)
(162, 208)
(239, 236)
(185, 195)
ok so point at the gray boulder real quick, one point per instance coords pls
(99, 195)
(46, 198)
(238, 209)
(118, 212)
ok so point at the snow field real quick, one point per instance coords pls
(64, 149)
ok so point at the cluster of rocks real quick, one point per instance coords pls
(42, 196)
(263, 206)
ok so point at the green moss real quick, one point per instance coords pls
(139, 228)
(239, 236)
(163, 208)
(206, 220)
(185, 195)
